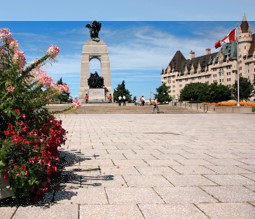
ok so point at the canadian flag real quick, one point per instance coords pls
(227, 39)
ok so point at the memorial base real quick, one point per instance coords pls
(97, 95)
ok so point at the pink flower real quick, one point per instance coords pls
(10, 89)
(19, 59)
(2, 51)
(5, 33)
(53, 51)
(76, 103)
(62, 88)
(44, 79)
(13, 44)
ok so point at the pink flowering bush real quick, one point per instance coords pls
(29, 134)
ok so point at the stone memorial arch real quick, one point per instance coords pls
(95, 48)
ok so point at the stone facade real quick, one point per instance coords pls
(220, 67)
(95, 50)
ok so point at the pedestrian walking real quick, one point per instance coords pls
(120, 100)
(124, 100)
(135, 100)
(155, 105)
(142, 100)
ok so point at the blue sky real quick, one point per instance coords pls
(142, 36)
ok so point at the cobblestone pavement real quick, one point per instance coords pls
(154, 166)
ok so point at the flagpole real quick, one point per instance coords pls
(238, 81)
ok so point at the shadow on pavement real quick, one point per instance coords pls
(71, 177)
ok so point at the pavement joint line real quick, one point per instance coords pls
(201, 210)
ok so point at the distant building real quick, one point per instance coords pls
(220, 67)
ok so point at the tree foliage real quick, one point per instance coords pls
(200, 92)
(122, 91)
(193, 92)
(162, 94)
(246, 89)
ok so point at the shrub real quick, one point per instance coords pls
(29, 134)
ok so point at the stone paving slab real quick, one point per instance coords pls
(85, 195)
(172, 211)
(133, 196)
(230, 180)
(154, 171)
(228, 210)
(154, 166)
(192, 170)
(227, 169)
(230, 193)
(181, 195)
(189, 180)
(63, 211)
(146, 181)
(110, 212)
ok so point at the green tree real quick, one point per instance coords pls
(246, 89)
(217, 93)
(200, 92)
(194, 92)
(122, 91)
(162, 94)
(64, 97)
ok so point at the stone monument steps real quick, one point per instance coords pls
(128, 109)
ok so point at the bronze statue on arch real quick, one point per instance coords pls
(94, 29)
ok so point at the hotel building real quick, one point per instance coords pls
(220, 67)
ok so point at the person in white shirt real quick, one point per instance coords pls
(124, 100)
(120, 100)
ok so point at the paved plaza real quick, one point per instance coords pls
(154, 166)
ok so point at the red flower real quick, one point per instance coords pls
(6, 133)
(17, 111)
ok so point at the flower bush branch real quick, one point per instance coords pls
(29, 134)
